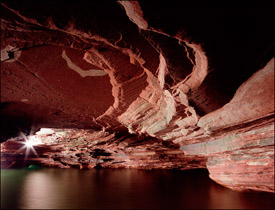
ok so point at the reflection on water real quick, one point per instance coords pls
(121, 188)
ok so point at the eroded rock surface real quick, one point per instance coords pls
(88, 149)
(245, 169)
(133, 84)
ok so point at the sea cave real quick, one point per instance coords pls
(120, 104)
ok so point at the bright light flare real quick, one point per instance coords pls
(30, 141)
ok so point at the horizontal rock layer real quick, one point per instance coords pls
(245, 169)
(88, 149)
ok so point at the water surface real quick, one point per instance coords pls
(122, 189)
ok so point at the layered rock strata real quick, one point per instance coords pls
(136, 85)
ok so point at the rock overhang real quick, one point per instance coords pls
(161, 78)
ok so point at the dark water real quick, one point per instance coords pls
(120, 188)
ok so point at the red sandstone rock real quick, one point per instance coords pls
(245, 169)
(257, 137)
(129, 84)
(85, 149)
(253, 100)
